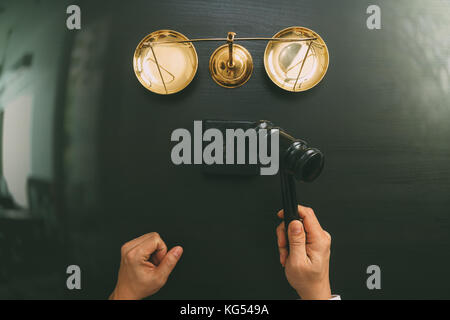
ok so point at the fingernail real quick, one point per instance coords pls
(177, 251)
(296, 227)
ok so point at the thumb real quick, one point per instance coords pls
(297, 239)
(169, 261)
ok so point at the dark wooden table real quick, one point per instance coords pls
(381, 116)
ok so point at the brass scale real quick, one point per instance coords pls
(295, 59)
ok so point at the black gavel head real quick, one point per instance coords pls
(296, 158)
(304, 163)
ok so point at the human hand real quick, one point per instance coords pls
(307, 260)
(144, 267)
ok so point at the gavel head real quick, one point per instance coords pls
(296, 158)
(304, 163)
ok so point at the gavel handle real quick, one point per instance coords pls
(289, 198)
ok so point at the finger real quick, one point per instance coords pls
(310, 221)
(170, 261)
(133, 243)
(280, 214)
(297, 240)
(282, 243)
(149, 246)
(157, 256)
(312, 225)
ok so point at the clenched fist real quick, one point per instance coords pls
(306, 260)
(144, 267)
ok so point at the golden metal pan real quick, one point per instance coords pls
(165, 62)
(296, 66)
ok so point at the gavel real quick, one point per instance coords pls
(298, 162)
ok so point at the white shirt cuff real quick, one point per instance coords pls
(335, 297)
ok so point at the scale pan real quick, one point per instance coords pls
(163, 67)
(296, 66)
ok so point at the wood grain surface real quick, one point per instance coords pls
(381, 115)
